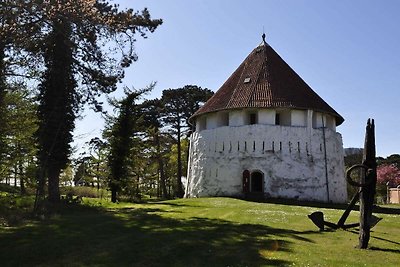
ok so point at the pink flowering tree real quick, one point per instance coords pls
(388, 173)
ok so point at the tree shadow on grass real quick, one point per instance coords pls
(168, 204)
(324, 205)
(385, 249)
(84, 236)
(381, 239)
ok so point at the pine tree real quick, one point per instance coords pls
(179, 105)
(58, 106)
(121, 142)
(80, 66)
(20, 120)
(150, 111)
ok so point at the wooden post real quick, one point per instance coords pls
(367, 194)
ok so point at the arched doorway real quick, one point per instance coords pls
(257, 182)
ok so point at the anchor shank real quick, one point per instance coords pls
(349, 208)
(368, 192)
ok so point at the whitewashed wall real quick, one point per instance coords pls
(291, 158)
(299, 118)
(266, 116)
(237, 118)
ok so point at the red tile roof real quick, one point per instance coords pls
(273, 84)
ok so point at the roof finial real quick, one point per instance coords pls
(263, 35)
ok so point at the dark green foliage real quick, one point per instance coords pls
(392, 159)
(157, 142)
(353, 159)
(349, 161)
(81, 176)
(97, 166)
(14, 209)
(80, 48)
(179, 105)
(84, 191)
(2, 105)
(78, 70)
(122, 142)
(20, 121)
(58, 107)
(17, 26)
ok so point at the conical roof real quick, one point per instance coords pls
(265, 80)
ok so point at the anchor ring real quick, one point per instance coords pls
(354, 183)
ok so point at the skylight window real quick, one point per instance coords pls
(247, 80)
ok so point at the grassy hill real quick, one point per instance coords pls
(195, 232)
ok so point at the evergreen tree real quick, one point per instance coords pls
(58, 106)
(158, 146)
(2, 104)
(179, 105)
(78, 70)
(98, 161)
(121, 140)
(20, 119)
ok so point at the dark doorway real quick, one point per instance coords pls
(253, 118)
(277, 119)
(257, 181)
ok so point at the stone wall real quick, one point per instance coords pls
(292, 160)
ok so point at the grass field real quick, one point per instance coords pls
(195, 232)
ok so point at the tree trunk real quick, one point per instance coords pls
(56, 109)
(179, 187)
(40, 193)
(161, 167)
(40, 183)
(54, 184)
(21, 177)
(163, 185)
(2, 103)
(97, 175)
(137, 186)
(22, 182)
(15, 175)
(113, 194)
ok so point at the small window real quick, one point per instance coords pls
(253, 118)
(277, 119)
(247, 80)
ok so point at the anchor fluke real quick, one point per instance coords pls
(318, 219)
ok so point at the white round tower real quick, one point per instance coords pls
(266, 133)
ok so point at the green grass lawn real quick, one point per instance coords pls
(195, 232)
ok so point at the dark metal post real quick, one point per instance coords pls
(326, 160)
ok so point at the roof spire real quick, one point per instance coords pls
(263, 35)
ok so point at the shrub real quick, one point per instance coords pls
(8, 188)
(84, 191)
(14, 209)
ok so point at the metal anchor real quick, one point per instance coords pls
(365, 193)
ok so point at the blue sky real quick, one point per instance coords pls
(347, 51)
